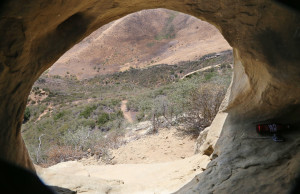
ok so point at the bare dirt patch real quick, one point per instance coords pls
(157, 163)
(128, 115)
(167, 145)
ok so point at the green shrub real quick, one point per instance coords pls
(115, 102)
(87, 111)
(209, 75)
(202, 106)
(59, 115)
(140, 116)
(103, 118)
(223, 66)
(65, 127)
(26, 115)
(116, 115)
(89, 123)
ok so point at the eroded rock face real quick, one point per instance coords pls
(266, 41)
(243, 161)
(247, 163)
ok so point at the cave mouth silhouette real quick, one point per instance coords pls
(201, 57)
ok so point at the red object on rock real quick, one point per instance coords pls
(270, 129)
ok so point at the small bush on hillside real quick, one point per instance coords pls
(103, 118)
(57, 154)
(59, 115)
(80, 139)
(117, 123)
(140, 116)
(209, 75)
(116, 115)
(87, 111)
(115, 102)
(76, 145)
(26, 115)
(202, 107)
(89, 123)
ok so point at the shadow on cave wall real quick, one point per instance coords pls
(61, 190)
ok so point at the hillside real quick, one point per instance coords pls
(148, 69)
(66, 117)
(141, 39)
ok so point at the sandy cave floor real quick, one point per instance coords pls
(158, 163)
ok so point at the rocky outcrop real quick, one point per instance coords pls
(164, 177)
(208, 138)
(243, 162)
(265, 37)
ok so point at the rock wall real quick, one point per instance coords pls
(243, 162)
(266, 41)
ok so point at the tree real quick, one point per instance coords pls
(39, 149)
(202, 106)
(160, 108)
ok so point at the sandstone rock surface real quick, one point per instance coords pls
(266, 41)
(243, 162)
(164, 177)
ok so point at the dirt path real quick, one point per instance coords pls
(165, 146)
(127, 114)
(201, 70)
(48, 109)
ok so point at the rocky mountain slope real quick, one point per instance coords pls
(141, 39)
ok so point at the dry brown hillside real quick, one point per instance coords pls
(141, 39)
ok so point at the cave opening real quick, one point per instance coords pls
(138, 90)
